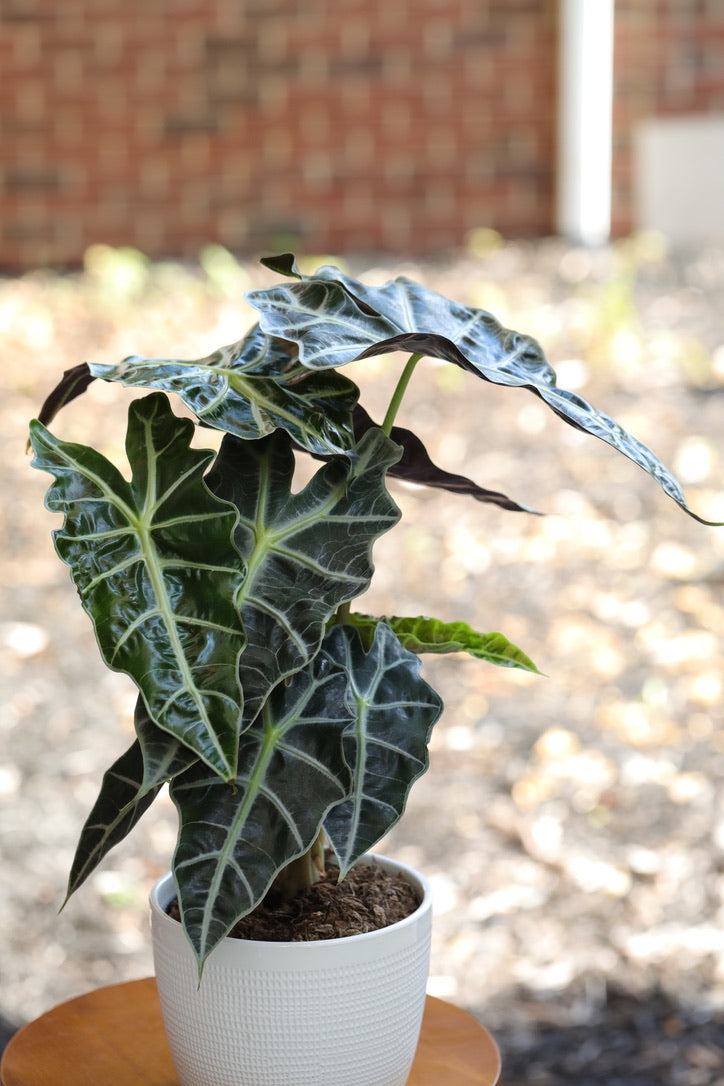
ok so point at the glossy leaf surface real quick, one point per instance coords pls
(128, 789)
(323, 319)
(157, 571)
(250, 388)
(386, 743)
(335, 319)
(235, 838)
(306, 552)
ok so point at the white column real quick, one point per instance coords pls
(584, 120)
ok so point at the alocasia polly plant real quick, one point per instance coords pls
(276, 713)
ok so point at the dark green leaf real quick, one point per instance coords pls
(431, 635)
(285, 264)
(386, 743)
(157, 571)
(335, 319)
(323, 319)
(306, 552)
(235, 838)
(250, 388)
(128, 789)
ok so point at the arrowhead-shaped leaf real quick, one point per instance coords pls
(306, 552)
(422, 634)
(157, 571)
(386, 743)
(128, 789)
(250, 388)
(335, 319)
(235, 838)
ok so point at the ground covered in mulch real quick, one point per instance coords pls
(572, 824)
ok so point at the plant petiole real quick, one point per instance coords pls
(399, 392)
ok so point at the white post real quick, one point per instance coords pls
(585, 120)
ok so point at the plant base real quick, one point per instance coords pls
(368, 898)
(296, 1013)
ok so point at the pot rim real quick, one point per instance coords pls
(164, 888)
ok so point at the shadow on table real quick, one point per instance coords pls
(7, 1029)
(629, 1040)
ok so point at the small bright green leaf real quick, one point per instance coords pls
(157, 571)
(250, 388)
(235, 838)
(164, 756)
(116, 811)
(431, 635)
(394, 711)
(306, 552)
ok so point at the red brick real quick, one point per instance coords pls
(368, 124)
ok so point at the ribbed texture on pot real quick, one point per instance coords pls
(340, 1012)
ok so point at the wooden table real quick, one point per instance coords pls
(115, 1035)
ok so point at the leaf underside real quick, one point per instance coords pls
(72, 384)
(415, 466)
(128, 789)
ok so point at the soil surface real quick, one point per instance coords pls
(367, 899)
(572, 824)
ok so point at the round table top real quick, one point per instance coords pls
(84, 1042)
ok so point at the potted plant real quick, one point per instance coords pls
(280, 717)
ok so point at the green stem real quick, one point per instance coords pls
(344, 609)
(399, 393)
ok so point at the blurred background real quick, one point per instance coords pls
(560, 164)
(358, 125)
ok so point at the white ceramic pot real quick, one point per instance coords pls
(337, 1012)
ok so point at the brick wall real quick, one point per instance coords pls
(333, 124)
(329, 125)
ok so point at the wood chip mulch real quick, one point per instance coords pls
(368, 898)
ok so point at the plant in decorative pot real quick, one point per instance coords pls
(280, 718)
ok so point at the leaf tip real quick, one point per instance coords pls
(284, 264)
